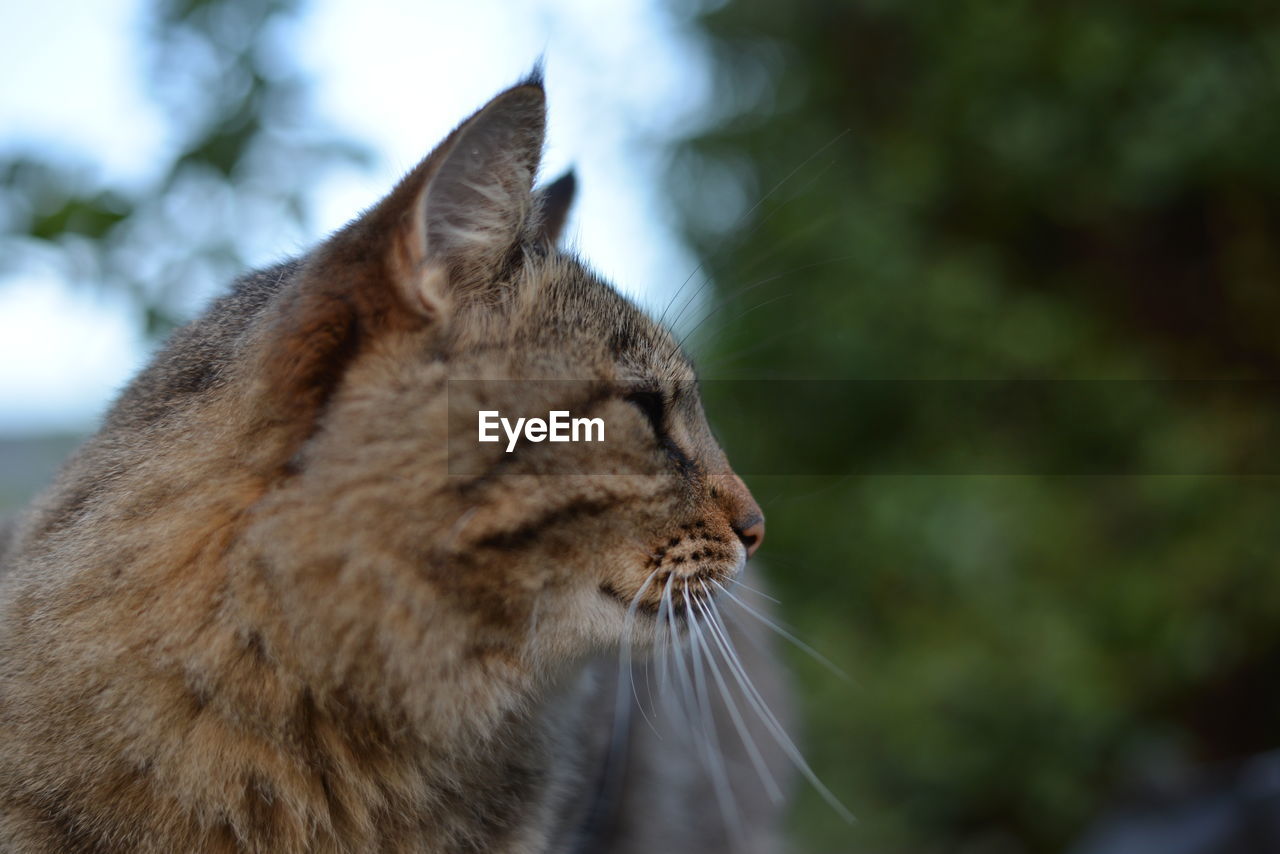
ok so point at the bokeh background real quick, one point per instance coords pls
(1074, 648)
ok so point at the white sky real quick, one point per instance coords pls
(622, 78)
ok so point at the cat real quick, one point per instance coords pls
(259, 612)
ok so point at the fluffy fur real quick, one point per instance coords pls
(258, 613)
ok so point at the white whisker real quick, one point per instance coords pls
(813, 653)
(615, 759)
(737, 582)
(686, 681)
(648, 683)
(621, 709)
(770, 720)
(715, 756)
(666, 639)
(741, 219)
(753, 752)
(757, 641)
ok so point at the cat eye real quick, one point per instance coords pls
(653, 403)
(654, 406)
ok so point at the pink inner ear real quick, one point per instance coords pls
(431, 292)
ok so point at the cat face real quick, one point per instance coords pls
(450, 298)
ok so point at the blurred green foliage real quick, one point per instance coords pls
(973, 189)
(1003, 190)
(242, 146)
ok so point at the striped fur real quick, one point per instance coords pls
(256, 613)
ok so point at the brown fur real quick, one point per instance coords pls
(256, 613)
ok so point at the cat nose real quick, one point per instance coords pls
(743, 513)
(751, 533)
(745, 516)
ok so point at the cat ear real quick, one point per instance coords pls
(449, 226)
(476, 202)
(554, 201)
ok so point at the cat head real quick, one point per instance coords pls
(448, 298)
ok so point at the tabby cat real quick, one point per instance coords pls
(260, 610)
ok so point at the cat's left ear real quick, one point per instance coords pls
(453, 225)
(476, 206)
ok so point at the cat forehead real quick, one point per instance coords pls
(570, 296)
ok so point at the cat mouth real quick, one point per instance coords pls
(679, 591)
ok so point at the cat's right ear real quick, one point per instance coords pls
(554, 201)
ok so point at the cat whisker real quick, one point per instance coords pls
(671, 665)
(711, 740)
(758, 643)
(783, 632)
(628, 626)
(737, 294)
(730, 234)
(797, 236)
(738, 582)
(664, 638)
(734, 318)
(648, 687)
(721, 362)
(615, 759)
(771, 722)
(753, 751)
(685, 680)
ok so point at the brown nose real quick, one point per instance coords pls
(744, 514)
(751, 533)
